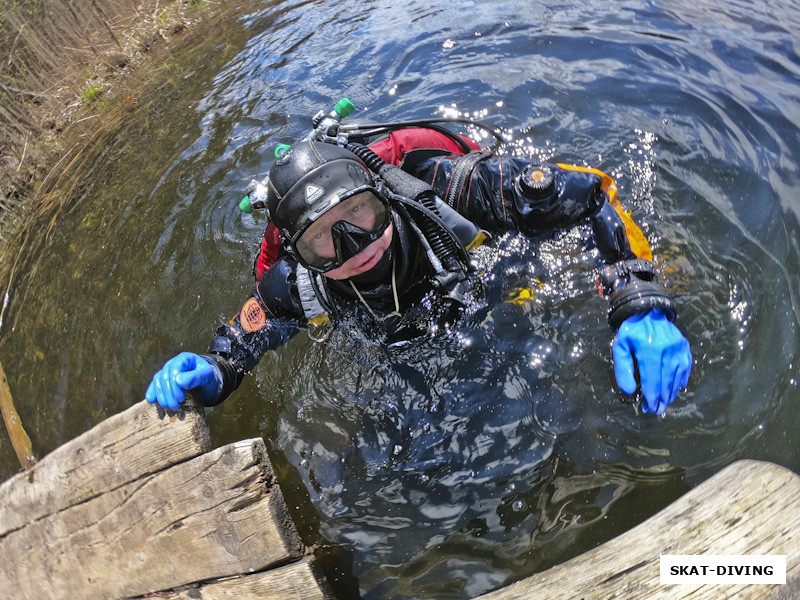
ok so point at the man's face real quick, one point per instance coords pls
(364, 210)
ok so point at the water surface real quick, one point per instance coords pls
(498, 446)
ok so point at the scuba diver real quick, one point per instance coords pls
(375, 218)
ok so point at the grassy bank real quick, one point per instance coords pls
(74, 80)
(70, 69)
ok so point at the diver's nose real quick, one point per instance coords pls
(349, 240)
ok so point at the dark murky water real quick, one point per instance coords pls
(498, 447)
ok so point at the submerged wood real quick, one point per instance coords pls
(748, 508)
(297, 581)
(137, 442)
(16, 432)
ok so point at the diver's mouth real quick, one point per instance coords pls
(370, 258)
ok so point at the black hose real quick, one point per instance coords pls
(441, 239)
(369, 129)
(364, 135)
(372, 160)
(447, 247)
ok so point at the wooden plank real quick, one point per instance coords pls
(211, 517)
(139, 441)
(749, 507)
(16, 432)
(297, 581)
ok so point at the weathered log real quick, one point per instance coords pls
(748, 508)
(297, 581)
(211, 517)
(139, 441)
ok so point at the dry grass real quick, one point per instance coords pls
(67, 68)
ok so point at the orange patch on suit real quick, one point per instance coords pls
(252, 316)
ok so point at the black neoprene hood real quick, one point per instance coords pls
(309, 179)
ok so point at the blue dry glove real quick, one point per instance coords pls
(180, 374)
(661, 353)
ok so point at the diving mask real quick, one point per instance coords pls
(342, 231)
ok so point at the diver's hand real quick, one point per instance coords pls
(186, 371)
(658, 348)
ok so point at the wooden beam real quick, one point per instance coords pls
(749, 507)
(214, 516)
(296, 581)
(140, 441)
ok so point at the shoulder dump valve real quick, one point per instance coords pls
(537, 182)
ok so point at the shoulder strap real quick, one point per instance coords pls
(312, 307)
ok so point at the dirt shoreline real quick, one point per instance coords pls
(68, 135)
(66, 123)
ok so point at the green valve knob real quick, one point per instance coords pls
(344, 108)
(281, 149)
(256, 199)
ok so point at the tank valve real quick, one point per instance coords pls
(256, 197)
